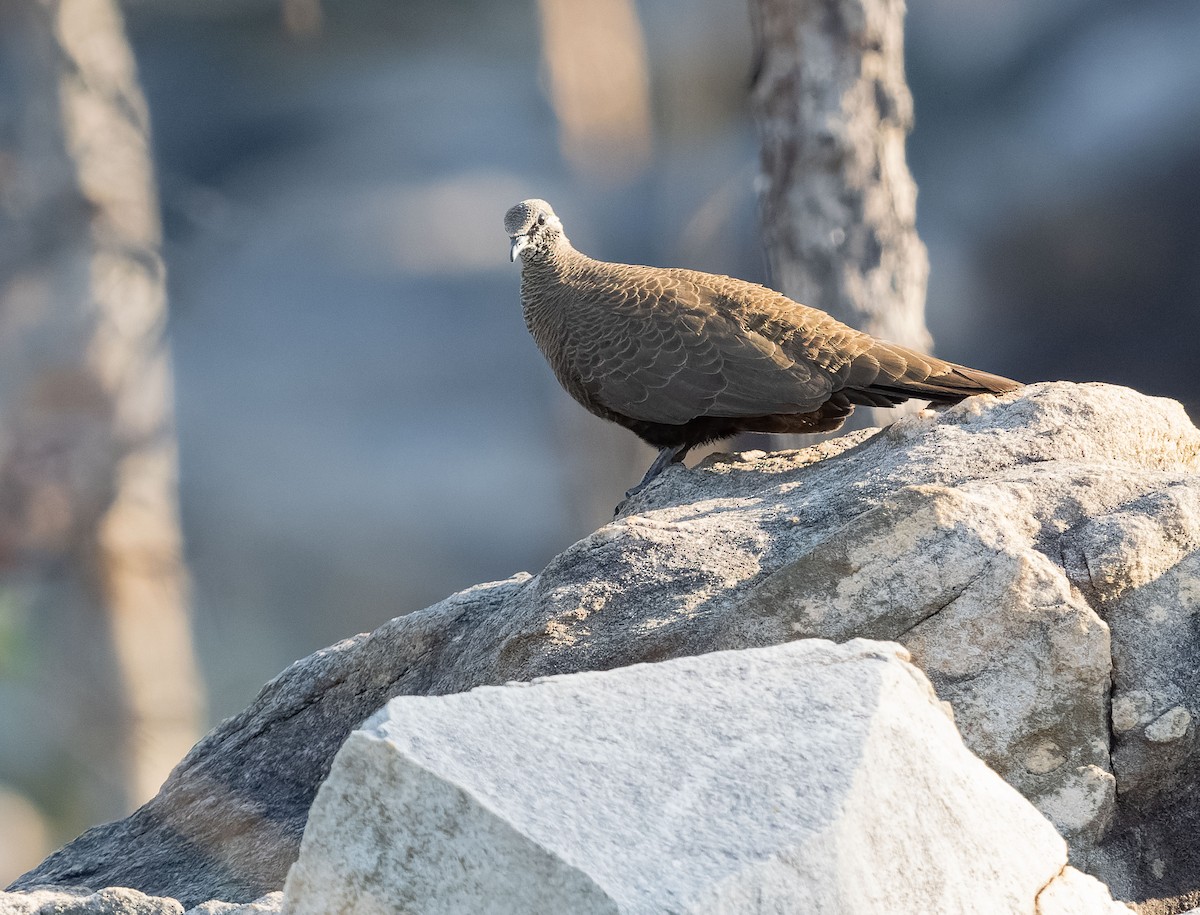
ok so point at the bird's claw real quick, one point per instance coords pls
(629, 494)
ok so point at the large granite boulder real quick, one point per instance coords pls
(807, 777)
(1036, 554)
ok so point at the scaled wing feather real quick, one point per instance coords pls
(662, 347)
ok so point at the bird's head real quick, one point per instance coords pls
(534, 229)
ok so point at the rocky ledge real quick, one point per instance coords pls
(1036, 555)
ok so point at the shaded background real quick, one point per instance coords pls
(364, 424)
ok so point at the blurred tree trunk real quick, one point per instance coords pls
(594, 55)
(838, 203)
(90, 547)
(595, 59)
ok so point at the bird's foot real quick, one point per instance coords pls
(665, 458)
(629, 494)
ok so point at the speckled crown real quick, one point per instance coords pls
(518, 220)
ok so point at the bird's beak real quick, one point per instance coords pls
(519, 243)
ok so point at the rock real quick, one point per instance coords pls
(807, 777)
(1165, 910)
(1072, 892)
(269, 904)
(1173, 905)
(1139, 565)
(1024, 661)
(122, 901)
(994, 539)
(111, 901)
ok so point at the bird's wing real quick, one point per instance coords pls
(668, 346)
(862, 369)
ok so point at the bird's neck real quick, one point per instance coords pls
(546, 282)
(550, 268)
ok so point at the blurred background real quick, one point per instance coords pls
(363, 425)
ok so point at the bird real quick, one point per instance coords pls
(682, 358)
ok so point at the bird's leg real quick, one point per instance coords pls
(666, 457)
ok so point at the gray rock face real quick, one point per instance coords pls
(1139, 566)
(807, 777)
(1033, 552)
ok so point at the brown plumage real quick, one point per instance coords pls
(681, 357)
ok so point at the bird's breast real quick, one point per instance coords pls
(548, 318)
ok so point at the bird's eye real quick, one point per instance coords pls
(542, 219)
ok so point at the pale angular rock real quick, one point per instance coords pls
(1075, 893)
(999, 539)
(122, 901)
(806, 777)
(111, 901)
(269, 904)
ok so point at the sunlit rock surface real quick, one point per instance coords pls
(1035, 553)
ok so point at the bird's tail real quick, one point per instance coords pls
(904, 373)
